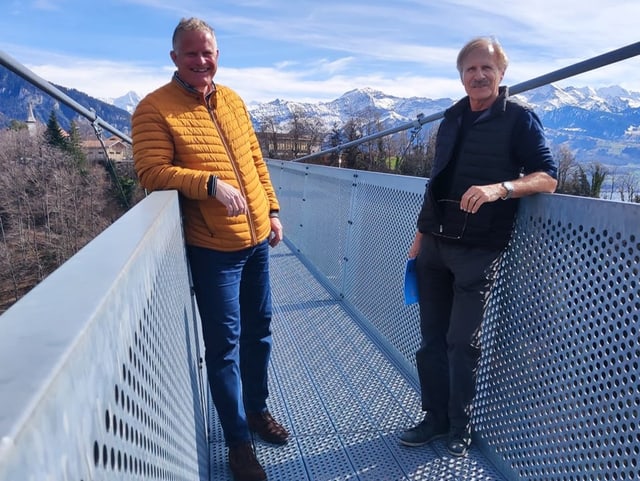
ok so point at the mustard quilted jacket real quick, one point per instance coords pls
(180, 139)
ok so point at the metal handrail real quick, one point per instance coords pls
(19, 69)
(594, 63)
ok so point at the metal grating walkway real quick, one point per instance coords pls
(343, 400)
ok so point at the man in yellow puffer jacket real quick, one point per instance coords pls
(196, 137)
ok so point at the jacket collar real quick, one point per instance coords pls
(190, 89)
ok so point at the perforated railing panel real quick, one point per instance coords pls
(559, 385)
(357, 232)
(106, 352)
(100, 374)
(383, 226)
(321, 233)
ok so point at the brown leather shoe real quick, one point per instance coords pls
(267, 428)
(244, 464)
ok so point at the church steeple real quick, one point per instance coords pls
(31, 121)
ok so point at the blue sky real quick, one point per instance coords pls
(315, 50)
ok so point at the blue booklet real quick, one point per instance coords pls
(410, 283)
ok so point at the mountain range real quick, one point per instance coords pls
(16, 95)
(597, 125)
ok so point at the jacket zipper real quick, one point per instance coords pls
(252, 229)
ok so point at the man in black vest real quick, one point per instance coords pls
(490, 151)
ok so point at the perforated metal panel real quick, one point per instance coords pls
(100, 393)
(559, 384)
(357, 233)
(318, 215)
(384, 215)
(105, 380)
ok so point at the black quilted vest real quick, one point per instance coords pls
(483, 157)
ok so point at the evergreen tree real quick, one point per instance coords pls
(74, 144)
(352, 156)
(17, 126)
(578, 183)
(53, 134)
(598, 175)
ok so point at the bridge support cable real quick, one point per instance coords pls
(111, 168)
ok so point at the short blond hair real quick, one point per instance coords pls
(189, 25)
(480, 42)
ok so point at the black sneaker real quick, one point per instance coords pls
(459, 441)
(429, 429)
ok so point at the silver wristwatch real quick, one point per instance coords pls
(508, 186)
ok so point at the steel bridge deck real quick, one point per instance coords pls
(342, 399)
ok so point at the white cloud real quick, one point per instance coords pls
(102, 79)
(323, 81)
(46, 5)
(275, 84)
(318, 51)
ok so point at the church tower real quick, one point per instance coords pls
(31, 121)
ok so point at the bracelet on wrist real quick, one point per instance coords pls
(212, 185)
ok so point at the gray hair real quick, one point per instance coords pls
(489, 42)
(188, 25)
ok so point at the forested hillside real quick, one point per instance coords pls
(52, 203)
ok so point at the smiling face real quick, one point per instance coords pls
(481, 76)
(195, 55)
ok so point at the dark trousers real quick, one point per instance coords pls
(234, 301)
(453, 283)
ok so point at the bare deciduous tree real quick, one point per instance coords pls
(50, 207)
(566, 163)
(269, 131)
(628, 187)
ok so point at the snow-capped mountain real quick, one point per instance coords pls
(550, 97)
(378, 106)
(598, 125)
(126, 102)
(365, 104)
(601, 125)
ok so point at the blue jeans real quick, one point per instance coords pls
(233, 293)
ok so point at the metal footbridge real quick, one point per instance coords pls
(101, 364)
